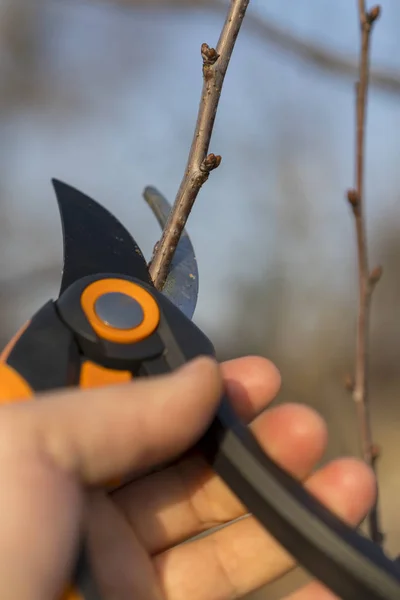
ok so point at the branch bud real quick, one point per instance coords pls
(374, 14)
(375, 275)
(353, 198)
(211, 162)
(209, 55)
(349, 383)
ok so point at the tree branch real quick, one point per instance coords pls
(200, 163)
(367, 280)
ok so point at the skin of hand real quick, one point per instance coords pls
(57, 452)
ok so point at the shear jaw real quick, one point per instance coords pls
(94, 238)
(182, 284)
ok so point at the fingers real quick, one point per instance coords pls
(40, 517)
(161, 505)
(293, 435)
(109, 432)
(185, 500)
(121, 566)
(251, 383)
(243, 557)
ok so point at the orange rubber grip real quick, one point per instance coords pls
(13, 387)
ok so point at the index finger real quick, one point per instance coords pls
(104, 433)
(251, 382)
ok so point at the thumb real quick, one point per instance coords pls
(108, 432)
(90, 436)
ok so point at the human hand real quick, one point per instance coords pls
(53, 449)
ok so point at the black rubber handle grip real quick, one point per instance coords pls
(352, 566)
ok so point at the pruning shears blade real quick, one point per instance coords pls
(182, 284)
(92, 236)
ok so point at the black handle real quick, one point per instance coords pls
(352, 566)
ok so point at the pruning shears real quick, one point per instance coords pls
(110, 324)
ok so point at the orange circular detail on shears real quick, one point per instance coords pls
(149, 306)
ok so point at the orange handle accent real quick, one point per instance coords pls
(142, 296)
(13, 387)
(93, 376)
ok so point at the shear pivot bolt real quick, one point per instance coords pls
(119, 310)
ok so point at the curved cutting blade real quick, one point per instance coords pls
(182, 284)
(94, 240)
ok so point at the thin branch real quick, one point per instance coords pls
(367, 280)
(200, 163)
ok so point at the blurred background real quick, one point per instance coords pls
(104, 95)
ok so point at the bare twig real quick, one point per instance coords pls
(367, 279)
(200, 163)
